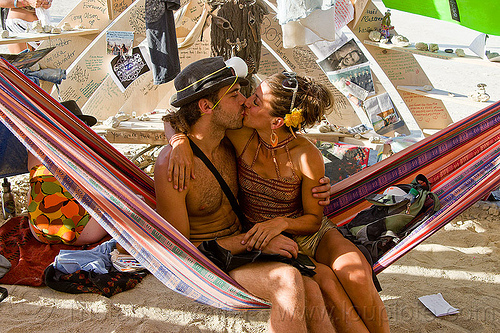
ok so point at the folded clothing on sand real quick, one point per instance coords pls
(28, 256)
(97, 260)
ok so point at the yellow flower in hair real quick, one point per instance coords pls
(294, 118)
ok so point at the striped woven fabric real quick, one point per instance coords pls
(107, 185)
(462, 162)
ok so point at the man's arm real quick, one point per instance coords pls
(170, 203)
(280, 244)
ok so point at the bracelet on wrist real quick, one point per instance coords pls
(175, 137)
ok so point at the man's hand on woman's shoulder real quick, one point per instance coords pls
(323, 191)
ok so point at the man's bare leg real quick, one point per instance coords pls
(282, 285)
(317, 316)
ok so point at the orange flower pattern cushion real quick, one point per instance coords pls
(53, 212)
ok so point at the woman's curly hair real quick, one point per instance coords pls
(312, 97)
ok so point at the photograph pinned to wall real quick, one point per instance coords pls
(343, 160)
(352, 91)
(126, 69)
(345, 56)
(356, 82)
(119, 42)
(382, 113)
(347, 68)
(324, 48)
(355, 90)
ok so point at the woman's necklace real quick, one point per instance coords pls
(281, 144)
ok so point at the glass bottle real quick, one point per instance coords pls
(8, 203)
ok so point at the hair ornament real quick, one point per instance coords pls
(294, 119)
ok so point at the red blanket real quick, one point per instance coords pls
(28, 256)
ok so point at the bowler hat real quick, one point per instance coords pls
(202, 78)
(75, 109)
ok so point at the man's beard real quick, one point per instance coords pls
(238, 125)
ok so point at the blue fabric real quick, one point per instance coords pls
(14, 157)
(53, 75)
(97, 260)
(162, 43)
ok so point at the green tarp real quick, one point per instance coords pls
(479, 15)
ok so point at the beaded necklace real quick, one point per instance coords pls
(281, 144)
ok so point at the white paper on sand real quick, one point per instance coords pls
(437, 305)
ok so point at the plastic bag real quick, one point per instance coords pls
(43, 15)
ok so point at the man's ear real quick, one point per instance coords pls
(277, 123)
(205, 106)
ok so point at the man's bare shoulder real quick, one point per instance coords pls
(164, 153)
(161, 164)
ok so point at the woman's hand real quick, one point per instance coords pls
(180, 163)
(262, 233)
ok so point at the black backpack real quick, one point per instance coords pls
(391, 218)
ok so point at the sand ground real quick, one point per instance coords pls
(461, 261)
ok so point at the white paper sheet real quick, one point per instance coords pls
(478, 45)
(437, 305)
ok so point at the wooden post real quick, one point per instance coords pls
(110, 10)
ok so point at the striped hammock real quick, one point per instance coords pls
(461, 162)
(108, 185)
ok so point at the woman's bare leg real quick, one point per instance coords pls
(92, 233)
(339, 306)
(355, 276)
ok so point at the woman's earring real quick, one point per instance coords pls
(274, 138)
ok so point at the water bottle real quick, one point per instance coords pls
(8, 203)
(412, 195)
